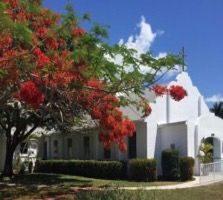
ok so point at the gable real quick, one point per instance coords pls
(165, 110)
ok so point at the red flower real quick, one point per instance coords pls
(41, 32)
(110, 122)
(52, 44)
(123, 147)
(147, 110)
(30, 94)
(78, 32)
(6, 41)
(96, 113)
(177, 92)
(160, 90)
(130, 126)
(96, 84)
(12, 3)
(42, 59)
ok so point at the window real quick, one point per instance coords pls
(69, 147)
(107, 154)
(24, 148)
(45, 150)
(55, 147)
(86, 147)
(132, 146)
(172, 146)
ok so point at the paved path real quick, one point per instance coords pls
(189, 184)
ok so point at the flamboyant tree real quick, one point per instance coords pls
(54, 74)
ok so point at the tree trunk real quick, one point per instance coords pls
(8, 168)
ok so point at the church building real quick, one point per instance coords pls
(179, 125)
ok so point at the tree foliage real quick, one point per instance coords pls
(54, 74)
(217, 109)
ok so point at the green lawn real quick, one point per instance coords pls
(39, 186)
(68, 180)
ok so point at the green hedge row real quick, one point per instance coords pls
(135, 169)
(138, 169)
(88, 168)
(143, 169)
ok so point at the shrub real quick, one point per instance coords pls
(186, 168)
(88, 168)
(142, 169)
(170, 164)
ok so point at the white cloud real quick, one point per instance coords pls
(142, 41)
(161, 55)
(215, 98)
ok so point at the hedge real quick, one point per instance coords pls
(88, 168)
(186, 168)
(142, 169)
(170, 164)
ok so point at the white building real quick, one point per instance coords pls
(181, 125)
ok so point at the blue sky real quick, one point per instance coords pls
(166, 26)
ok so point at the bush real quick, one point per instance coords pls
(186, 168)
(88, 168)
(142, 169)
(170, 164)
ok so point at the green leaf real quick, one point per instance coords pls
(2, 73)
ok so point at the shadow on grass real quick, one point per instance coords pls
(49, 179)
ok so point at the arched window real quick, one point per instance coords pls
(24, 148)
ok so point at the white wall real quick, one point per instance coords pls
(191, 138)
(166, 110)
(188, 108)
(171, 134)
(209, 126)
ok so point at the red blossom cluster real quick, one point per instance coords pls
(14, 12)
(42, 59)
(147, 110)
(177, 92)
(12, 3)
(78, 32)
(104, 108)
(41, 32)
(160, 90)
(30, 94)
(52, 44)
(6, 41)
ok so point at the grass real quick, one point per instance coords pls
(69, 180)
(199, 193)
(41, 186)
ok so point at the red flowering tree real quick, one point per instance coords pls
(53, 74)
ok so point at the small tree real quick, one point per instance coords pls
(205, 152)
